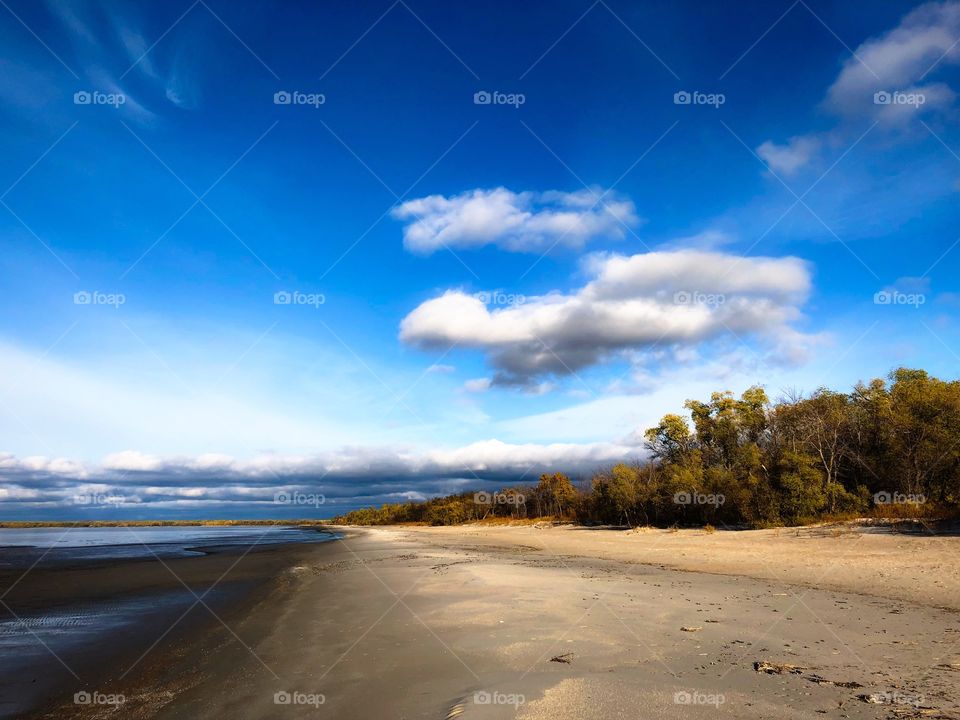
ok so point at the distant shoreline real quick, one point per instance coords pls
(152, 523)
(932, 523)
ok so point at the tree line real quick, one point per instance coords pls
(889, 447)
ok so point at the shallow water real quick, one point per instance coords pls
(42, 651)
(46, 546)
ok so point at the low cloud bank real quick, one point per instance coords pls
(135, 484)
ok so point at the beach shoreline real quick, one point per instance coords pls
(556, 622)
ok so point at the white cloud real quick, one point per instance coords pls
(18, 493)
(896, 65)
(477, 385)
(349, 476)
(788, 158)
(131, 460)
(520, 222)
(898, 59)
(494, 455)
(37, 463)
(440, 369)
(633, 302)
(912, 101)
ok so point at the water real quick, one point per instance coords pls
(52, 545)
(45, 650)
(41, 653)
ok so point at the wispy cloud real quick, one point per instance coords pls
(888, 80)
(113, 52)
(901, 59)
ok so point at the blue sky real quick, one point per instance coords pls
(480, 290)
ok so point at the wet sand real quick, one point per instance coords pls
(489, 622)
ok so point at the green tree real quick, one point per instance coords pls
(925, 428)
(670, 440)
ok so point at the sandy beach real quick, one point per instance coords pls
(567, 622)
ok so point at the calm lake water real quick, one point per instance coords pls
(54, 545)
(43, 650)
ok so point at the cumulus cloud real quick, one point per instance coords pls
(680, 298)
(515, 221)
(886, 80)
(131, 460)
(40, 465)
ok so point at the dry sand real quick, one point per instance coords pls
(917, 567)
(519, 622)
